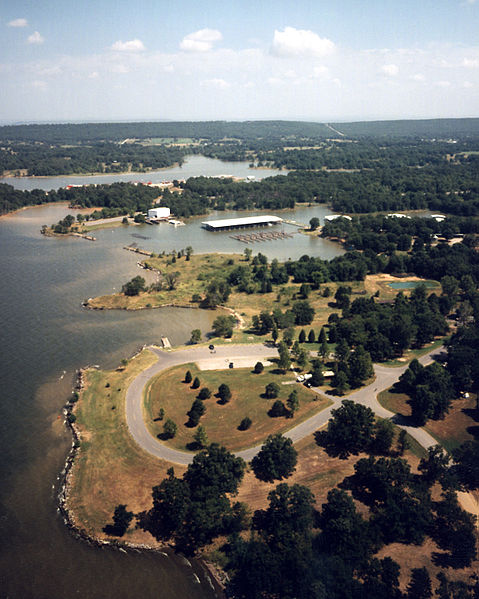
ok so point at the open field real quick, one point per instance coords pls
(110, 468)
(168, 391)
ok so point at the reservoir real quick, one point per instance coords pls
(46, 336)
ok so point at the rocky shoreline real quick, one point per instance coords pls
(215, 577)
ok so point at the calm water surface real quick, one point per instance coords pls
(45, 337)
(193, 166)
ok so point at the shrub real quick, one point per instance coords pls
(188, 377)
(196, 383)
(272, 390)
(258, 368)
(169, 429)
(204, 393)
(278, 409)
(245, 424)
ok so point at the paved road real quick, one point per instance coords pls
(385, 377)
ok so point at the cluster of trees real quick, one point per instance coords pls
(383, 234)
(386, 330)
(196, 508)
(41, 159)
(116, 199)
(430, 390)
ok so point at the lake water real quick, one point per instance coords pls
(45, 337)
(413, 284)
(193, 166)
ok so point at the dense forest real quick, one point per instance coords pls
(115, 199)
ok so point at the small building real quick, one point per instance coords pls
(398, 215)
(241, 223)
(160, 212)
(438, 217)
(331, 217)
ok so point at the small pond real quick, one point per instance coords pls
(413, 284)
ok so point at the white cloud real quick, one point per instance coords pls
(35, 38)
(50, 71)
(391, 70)
(300, 42)
(470, 63)
(94, 75)
(321, 71)
(39, 84)
(467, 85)
(442, 83)
(201, 41)
(218, 83)
(169, 68)
(120, 68)
(418, 77)
(18, 23)
(129, 46)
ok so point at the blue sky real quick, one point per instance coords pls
(185, 60)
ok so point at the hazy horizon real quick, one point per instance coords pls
(316, 61)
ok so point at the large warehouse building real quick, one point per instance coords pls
(241, 223)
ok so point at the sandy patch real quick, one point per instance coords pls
(223, 363)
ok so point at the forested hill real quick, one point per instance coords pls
(206, 130)
(426, 129)
(247, 130)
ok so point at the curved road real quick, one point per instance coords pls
(385, 377)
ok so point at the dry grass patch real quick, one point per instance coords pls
(168, 391)
(110, 468)
(459, 425)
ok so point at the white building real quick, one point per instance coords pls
(161, 212)
(331, 217)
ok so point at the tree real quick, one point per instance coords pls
(214, 471)
(188, 252)
(303, 312)
(360, 366)
(340, 381)
(276, 459)
(195, 336)
(454, 531)
(419, 586)
(293, 402)
(274, 333)
(134, 287)
(304, 290)
(349, 431)
(188, 377)
(171, 279)
(196, 383)
(284, 361)
(121, 522)
(247, 253)
(383, 436)
(302, 336)
(161, 414)
(278, 409)
(258, 368)
(204, 393)
(343, 531)
(196, 412)
(223, 326)
(314, 223)
(435, 465)
(245, 424)
(169, 429)
(466, 464)
(317, 378)
(402, 442)
(200, 437)
(224, 393)
(271, 390)
(311, 336)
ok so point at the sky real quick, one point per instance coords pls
(340, 60)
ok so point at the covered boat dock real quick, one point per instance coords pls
(241, 223)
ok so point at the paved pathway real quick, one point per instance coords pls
(385, 377)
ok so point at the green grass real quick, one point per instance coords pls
(168, 391)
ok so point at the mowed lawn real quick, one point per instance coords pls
(169, 391)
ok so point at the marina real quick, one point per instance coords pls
(261, 236)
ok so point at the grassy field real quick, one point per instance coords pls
(110, 467)
(460, 425)
(168, 391)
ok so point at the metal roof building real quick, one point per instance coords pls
(241, 223)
